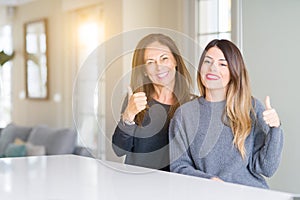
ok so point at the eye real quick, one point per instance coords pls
(164, 58)
(223, 65)
(207, 61)
(149, 62)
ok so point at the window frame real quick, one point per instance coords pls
(6, 78)
(236, 23)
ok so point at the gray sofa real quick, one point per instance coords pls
(16, 141)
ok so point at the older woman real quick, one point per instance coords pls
(161, 83)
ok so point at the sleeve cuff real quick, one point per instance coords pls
(129, 129)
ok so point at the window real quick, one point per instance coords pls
(90, 34)
(5, 76)
(214, 20)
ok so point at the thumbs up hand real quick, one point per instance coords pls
(136, 103)
(270, 115)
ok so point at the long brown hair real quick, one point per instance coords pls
(239, 106)
(141, 83)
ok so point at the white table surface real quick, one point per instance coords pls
(70, 177)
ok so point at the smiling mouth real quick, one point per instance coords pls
(212, 77)
(162, 75)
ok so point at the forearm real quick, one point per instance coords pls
(180, 156)
(122, 140)
(269, 156)
(184, 166)
(273, 153)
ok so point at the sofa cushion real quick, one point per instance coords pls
(31, 150)
(15, 150)
(35, 150)
(10, 133)
(56, 141)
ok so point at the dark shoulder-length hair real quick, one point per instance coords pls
(141, 83)
(238, 95)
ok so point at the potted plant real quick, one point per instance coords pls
(3, 59)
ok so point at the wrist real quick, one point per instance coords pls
(127, 119)
(126, 115)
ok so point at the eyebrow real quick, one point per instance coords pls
(162, 55)
(149, 59)
(222, 59)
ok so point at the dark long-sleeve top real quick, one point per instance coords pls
(145, 145)
(202, 145)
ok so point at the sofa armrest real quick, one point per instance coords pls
(83, 151)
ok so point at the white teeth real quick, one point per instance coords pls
(162, 75)
(212, 76)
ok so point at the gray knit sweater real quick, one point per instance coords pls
(202, 145)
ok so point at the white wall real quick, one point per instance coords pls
(32, 112)
(271, 40)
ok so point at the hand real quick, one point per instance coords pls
(217, 179)
(136, 103)
(270, 115)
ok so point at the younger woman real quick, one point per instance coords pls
(226, 134)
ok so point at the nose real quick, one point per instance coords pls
(213, 66)
(158, 64)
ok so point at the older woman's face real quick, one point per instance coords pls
(160, 64)
(214, 71)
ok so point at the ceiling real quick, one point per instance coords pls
(14, 2)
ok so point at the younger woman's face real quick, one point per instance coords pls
(214, 71)
(160, 64)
